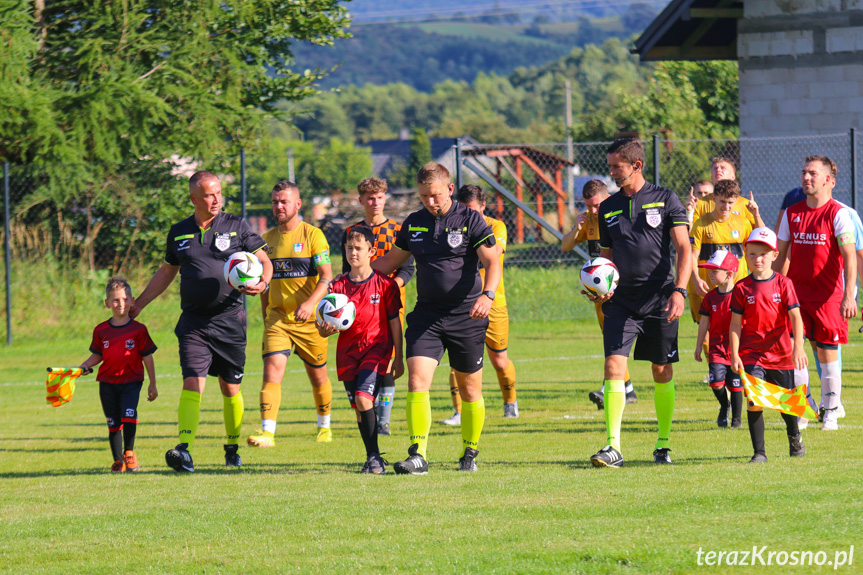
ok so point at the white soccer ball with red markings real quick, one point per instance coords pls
(599, 276)
(243, 270)
(336, 311)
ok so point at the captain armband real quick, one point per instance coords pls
(845, 239)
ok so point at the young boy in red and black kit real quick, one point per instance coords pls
(715, 312)
(124, 348)
(364, 353)
(763, 307)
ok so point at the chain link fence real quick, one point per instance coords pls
(73, 226)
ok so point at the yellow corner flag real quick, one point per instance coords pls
(767, 395)
(61, 384)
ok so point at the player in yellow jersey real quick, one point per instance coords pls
(722, 168)
(301, 274)
(587, 230)
(497, 334)
(373, 199)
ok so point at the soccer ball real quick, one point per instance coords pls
(336, 311)
(243, 270)
(599, 276)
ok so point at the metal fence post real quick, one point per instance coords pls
(458, 163)
(854, 168)
(656, 159)
(8, 251)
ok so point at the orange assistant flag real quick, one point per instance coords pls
(767, 395)
(60, 384)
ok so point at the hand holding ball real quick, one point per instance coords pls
(599, 277)
(336, 311)
(243, 270)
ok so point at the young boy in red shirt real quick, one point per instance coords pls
(364, 353)
(763, 307)
(715, 312)
(124, 348)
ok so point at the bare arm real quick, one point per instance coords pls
(489, 257)
(780, 264)
(849, 303)
(701, 287)
(398, 363)
(150, 366)
(265, 303)
(91, 362)
(799, 353)
(569, 240)
(703, 326)
(307, 309)
(734, 341)
(158, 284)
(683, 264)
(391, 261)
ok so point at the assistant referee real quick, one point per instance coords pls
(447, 240)
(637, 228)
(212, 328)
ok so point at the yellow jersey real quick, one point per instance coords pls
(296, 256)
(589, 233)
(706, 205)
(708, 236)
(498, 228)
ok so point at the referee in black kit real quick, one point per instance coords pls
(637, 228)
(212, 328)
(447, 240)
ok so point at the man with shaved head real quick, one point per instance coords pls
(212, 327)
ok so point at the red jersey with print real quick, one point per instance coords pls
(377, 300)
(765, 339)
(122, 349)
(816, 262)
(717, 306)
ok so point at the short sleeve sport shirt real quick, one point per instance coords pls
(638, 230)
(444, 248)
(201, 255)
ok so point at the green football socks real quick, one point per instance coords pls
(615, 401)
(233, 407)
(663, 399)
(188, 415)
(419, 419)
(472, 420)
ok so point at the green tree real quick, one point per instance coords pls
(338, 166)
(109, 91)
(420, 150)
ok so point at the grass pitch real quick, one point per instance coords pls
(534, 506)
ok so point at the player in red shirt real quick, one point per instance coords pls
(715, 312)
(763, 306)
(364, 354)
(124, 348)
(817, 235)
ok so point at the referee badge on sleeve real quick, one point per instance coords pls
(654, 218)
(223, 242)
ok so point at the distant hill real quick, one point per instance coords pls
(422, 55)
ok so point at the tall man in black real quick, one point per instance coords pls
(447, 241)
(212, 328)
(637, 228)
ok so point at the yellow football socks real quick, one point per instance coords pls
(506, 380)
(323, 399)
(663, 399)
(615, 401)
(188, 415)
(271, 400)
(233, 409)
(419, 419)
(453, 391)
(472, 420)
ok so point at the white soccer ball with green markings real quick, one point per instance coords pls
(243, 270)
(336, 311)
(599, 276)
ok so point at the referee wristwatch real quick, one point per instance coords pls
(681, 291)
(489, 294)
